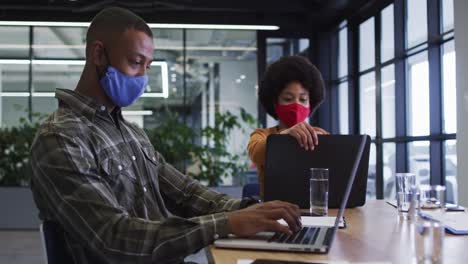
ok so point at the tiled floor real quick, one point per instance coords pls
(21, 247)
(25, 247)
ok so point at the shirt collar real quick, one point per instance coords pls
(83, 105)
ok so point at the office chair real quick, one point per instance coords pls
(53, 242)
(251, 190)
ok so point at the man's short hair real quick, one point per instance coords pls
(112, 22)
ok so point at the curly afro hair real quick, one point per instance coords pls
(284, 71)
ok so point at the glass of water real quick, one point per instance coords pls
(404, 184)
(415, 199)
(433, 197)
(428, 241)
(319, 191)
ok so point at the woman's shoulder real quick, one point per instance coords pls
(265, 131)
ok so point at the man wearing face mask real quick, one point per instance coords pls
(99, 180)
(291, 89)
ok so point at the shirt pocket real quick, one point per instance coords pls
(118, 172)
(117, 165)
(151, 157)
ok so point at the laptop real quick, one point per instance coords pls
(317, 239)
(288, 166)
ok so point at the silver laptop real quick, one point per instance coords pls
(316, 239)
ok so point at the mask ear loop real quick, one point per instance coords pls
(108, 64)
(107, 57)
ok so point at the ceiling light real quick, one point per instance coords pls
(58, 62)
(162, 64)
(207, 26)
(137, 112)
(44, 62)
(44, 24)
(15, 61)
(153, 95)
(27, 94)
(43, 94)
(151, 25)
(14, 94)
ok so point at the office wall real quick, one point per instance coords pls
(461, 47)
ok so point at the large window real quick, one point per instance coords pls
(195, 74)
(366, 47)
(387, 88)
(403, 55)
(222, 69)
(343, 107)
(416, 22)
(367, 101)
(342, 80)
(448, 86)
(418, 95)
(387, 47)
(15, 42)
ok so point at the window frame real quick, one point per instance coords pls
(436, 39)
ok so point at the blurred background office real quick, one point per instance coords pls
(390, 68)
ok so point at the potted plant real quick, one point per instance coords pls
(209, 162)
(15, 175)
(215, 160)
(171, 137)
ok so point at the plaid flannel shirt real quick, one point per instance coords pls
(100, 179)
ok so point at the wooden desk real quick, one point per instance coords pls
(374, 233)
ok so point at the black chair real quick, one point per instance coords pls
(54, 243)
(251, 190)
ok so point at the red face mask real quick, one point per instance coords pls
(292, 114)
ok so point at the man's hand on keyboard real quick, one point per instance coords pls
(264, 217)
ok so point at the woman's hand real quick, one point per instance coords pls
(305, 134)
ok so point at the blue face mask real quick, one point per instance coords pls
(123, 90)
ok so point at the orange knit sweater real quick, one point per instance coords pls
(257, 151)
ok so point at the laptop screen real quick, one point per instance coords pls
(349, 186)
(287, 168)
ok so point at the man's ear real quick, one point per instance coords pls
(98, 56)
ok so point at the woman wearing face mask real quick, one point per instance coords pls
(292, 89)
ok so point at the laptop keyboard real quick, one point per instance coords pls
(306, 236)
(328, 236)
